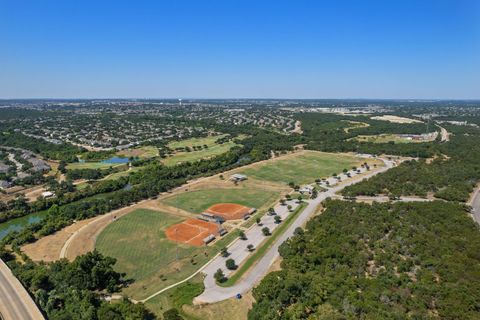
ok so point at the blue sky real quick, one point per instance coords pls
(240, 49)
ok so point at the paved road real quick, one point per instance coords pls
(475, 203)
(214, 293)
(15, 302)
(445, 136)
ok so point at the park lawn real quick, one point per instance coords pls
(302, 168)
(199, 200)
(212, 150)
(209, 141)
(143, 152)
(143, 252)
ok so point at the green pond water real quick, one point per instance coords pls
(19, 223)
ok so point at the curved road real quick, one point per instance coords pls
(214, 293)
(15, 302)
(475, 203)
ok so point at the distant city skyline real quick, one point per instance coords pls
(240, 49)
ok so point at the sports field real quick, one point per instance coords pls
(199, 200)
(302, 168)
(143, 252)
(192, 231)
(184, 156)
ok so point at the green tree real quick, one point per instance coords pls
(230, 264)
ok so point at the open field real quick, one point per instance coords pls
(177, 297)
(48, 248)
(209, 141)
(386, 138)
(198, 201)
(140, 152)
(143, 252)
(124, 173)
(184, 156)
(396, 119)
(92, 165)
(302, 167)
(355, 125)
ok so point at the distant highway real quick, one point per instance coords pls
(15, 302)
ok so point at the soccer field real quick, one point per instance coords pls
(302, 168)
(143, 252)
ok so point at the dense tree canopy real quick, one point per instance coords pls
(381, 261)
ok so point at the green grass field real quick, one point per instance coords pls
(199, 200)
(141, 152)
(143, 252)
(303, 168)
(209, 141)
(212, 150)
(177, 297)
(91, 165)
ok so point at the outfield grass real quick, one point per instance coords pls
(199, 200)
(143, 252)
(302, 168)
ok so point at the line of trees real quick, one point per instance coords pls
(74, 290)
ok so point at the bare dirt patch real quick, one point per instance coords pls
(396, 119)
(48, 248)
(229, 211)
(192, 231)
